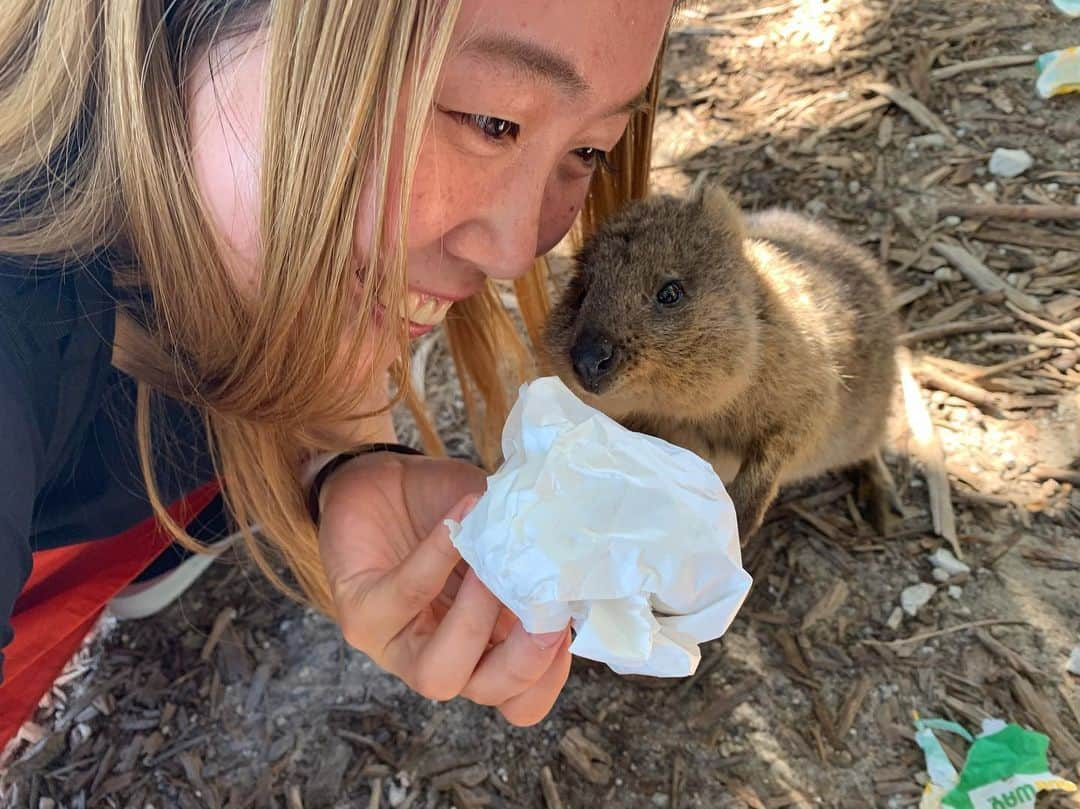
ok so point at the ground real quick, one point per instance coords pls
(808, 699)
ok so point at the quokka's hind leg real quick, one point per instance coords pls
(877, 493)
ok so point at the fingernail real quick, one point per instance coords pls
(470, 504)
(545, 640)
(463, 507)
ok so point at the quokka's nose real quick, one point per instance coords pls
(594, 356)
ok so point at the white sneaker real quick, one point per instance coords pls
(146, 598)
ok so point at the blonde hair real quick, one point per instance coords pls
(94, 156)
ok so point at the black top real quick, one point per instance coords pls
(69, 469)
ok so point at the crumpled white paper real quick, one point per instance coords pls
(630, 537)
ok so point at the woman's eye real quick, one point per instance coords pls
(670, 294)
(594, 157)
(491, 127)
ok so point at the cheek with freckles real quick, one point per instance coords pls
(562, 203)
(445, 193)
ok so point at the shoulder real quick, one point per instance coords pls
(56, 329)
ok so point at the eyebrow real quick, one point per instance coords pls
(532, 58)
(639, 103)
(544, 63)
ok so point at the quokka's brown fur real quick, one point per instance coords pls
(773, 358)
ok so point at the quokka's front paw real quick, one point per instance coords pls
(749, 516)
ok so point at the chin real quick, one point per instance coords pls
(615, 399)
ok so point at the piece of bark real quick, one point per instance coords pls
(981, 398)
(550, 790)
(913, 107)
(591, 761)
(1010, 211)
(989, 63)
(982, 277)
(729, 699)
(1009, 657)
(927, 448)
(1045, 719)
(678, 777)
(828, 605)
(845, 719)
(471, 776)
(221, 623)
(940, 330)
(1042, 473)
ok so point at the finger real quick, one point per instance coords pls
(399, 596)
(446, 597)
(505, 625)
(533, 705)
(449, 656)
(507, 620)
(513, 666)
(430, 484)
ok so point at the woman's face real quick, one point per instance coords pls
(533, 92)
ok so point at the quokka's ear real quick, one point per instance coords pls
(718, 205)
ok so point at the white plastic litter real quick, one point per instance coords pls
(631, 538)
(1058, 71)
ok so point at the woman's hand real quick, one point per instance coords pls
(405, 598)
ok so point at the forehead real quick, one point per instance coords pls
(600, 51)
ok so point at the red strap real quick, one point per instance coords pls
(67, 590)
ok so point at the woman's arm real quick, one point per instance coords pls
(21, 459)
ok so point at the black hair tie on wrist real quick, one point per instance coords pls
(342, 458)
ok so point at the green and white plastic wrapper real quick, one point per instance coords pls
(1006, 767)
(1058, 72)
(629, 538)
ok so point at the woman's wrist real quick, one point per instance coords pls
(322, 468)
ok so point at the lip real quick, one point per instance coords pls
(419, 329)
(453, 297)
(415, 329)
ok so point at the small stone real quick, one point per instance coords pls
(46, 803)
(1010, 162)
(952, 221)
(943, 559)
(945, 274)
(1073, 666)
(955, 591)
(396, 794)
(990, 187)
(659, 799)
(854, 187)
(895, 618)
(915, 597)
(934, 140)
(941, 575)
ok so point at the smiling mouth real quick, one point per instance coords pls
(426, 310)
(423, 311)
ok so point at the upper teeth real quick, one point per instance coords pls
(425, 310)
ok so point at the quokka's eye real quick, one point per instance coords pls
(670, 294)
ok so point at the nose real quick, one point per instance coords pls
(501, 235)
(594, 357)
